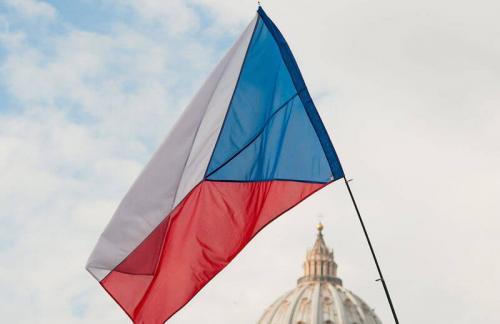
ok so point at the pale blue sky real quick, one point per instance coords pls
(409, 91)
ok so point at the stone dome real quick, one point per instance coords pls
(319, 297)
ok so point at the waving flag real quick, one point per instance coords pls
(249, 147)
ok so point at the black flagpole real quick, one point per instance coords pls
(373, 253)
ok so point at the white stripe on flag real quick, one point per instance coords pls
(177, 166)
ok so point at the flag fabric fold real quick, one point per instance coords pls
(248, 147)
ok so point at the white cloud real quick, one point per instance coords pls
(33, 8)
(228, 16)
(214, 18)
(176, 16)
(53, 176)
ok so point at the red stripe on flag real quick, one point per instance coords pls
(199, 238)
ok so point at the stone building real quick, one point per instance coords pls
(320, 297)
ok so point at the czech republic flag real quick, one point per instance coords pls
(249, 147)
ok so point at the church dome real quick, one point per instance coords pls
(320, 297)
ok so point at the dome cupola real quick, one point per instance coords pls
(319, 264)
(319, 297)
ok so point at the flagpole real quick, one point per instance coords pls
(386, 290)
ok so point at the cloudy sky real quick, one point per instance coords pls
(409, 91)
